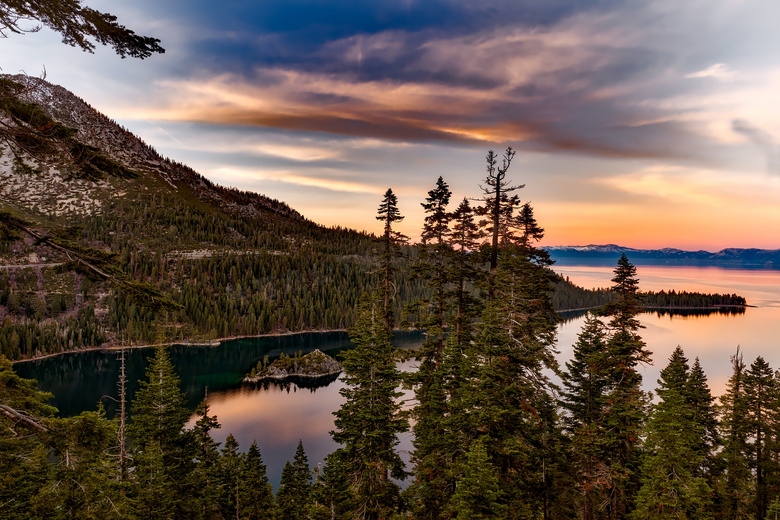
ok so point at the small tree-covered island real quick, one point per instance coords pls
(314, 365)
(106, 243)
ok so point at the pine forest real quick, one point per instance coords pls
(494, 435)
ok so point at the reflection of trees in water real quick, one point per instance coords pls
(569, 316)
(696, 313)
(295, 382)
(78, 380)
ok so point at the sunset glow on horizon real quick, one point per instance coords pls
(643, 124)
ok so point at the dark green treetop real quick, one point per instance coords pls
(78, 25)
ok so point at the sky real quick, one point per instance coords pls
(639, 123)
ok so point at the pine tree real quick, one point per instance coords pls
(164, 453)
(159, 410)
(302, 475)
(84, 480)
(478, 496)
(288, 506)
(671, 488)
(255, 495)
(586, 384)
(432, 454)
(498, 205)
(368, 423)
(389, 214)
(24, 469)
(708, 445)
(230, 478)
(206, 475)
(761, 403)
(332, 495)
(516, 346)
(704, 413)
(463, 271)
(735, 488)
(624, 400)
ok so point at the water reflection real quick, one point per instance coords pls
(697, 313)
(278, 415)
(79, 380)
(576, 315)
(295, 382)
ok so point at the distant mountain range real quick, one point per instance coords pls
(601, 255)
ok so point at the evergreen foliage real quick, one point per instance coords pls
(432, 455)
(586, 384)
(390, 240)
(671, 487)
(333, 498)
(625, 401)
(736, 486)
(293, 500)
(164, 457)
(255, 496)
(493, 437)
(478, 496)
(78, 24)
(761, 404)
(368, 423)
(231, 478)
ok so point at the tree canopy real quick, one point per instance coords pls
(79, 25)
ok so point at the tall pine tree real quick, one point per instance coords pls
(625, 401)
(585, 384)
(432, 453)
(368, 423)
(735, 488)
(672, 487)
(761, 400)
(390, 241)
(164, 454)
(255, 494)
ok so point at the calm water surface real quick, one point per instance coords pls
(278, 416)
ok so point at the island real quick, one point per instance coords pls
(314, 365)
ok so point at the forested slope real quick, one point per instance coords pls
(230, 263)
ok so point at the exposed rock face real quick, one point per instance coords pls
(32, 186)
(313, 365)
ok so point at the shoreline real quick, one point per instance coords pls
(655, 308)
(208, 343)
(218, 341)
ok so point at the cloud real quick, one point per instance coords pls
(718, 71)
(764, 140)
(570, 87)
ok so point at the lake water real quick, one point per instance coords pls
(278, 416)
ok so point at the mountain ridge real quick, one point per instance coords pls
(98, 130)
(608, 253)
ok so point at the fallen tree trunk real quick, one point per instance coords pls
(21, 417)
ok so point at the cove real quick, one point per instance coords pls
(277, 416)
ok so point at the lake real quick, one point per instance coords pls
(277, 416)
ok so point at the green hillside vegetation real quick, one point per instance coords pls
(493, 435)
(217, 262)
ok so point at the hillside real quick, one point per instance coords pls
(237, 263)
(230, 263)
